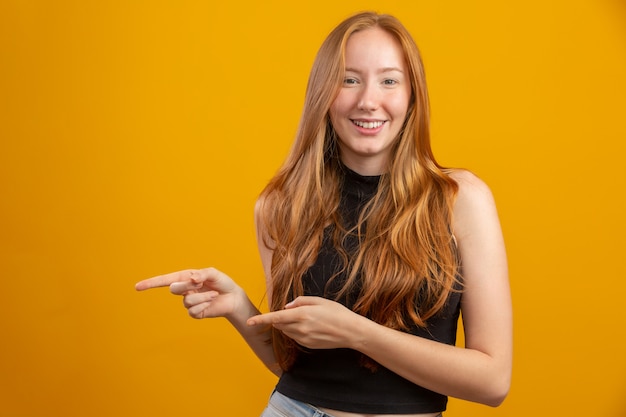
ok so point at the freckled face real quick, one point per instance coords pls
(372, 104)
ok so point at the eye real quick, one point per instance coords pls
(390, 82)
(350, 81)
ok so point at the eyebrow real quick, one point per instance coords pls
(382, 70)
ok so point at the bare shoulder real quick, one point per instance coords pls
(264, 243)
(260, 212)
(469, 183)
(258, 206)
(261, 229)
(474, 203)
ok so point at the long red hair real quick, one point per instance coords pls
(407, 260)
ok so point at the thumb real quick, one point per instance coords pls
(210, 275)
(303, 301)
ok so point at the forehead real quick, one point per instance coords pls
(374, 47)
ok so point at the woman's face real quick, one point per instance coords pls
(373, 101)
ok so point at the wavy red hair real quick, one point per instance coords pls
(407, 260)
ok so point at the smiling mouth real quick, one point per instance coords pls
(368, 125)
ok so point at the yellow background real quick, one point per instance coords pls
(136, 135)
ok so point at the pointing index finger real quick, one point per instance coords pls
(272, 318)
(164, 280)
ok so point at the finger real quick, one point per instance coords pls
(210, 275)
(258, 319)
(304, 301)
(182, 288)
(191, 300)
(164, 280)
(275, 317)
(199, 310)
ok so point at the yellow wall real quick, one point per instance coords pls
(135, 136)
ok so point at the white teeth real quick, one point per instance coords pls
(368, 125)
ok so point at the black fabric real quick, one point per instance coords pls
(335, 378)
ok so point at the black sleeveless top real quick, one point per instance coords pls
(335, 378)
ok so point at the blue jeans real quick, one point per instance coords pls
(281, 406)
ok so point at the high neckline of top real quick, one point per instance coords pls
(356, 175)
(362, 186)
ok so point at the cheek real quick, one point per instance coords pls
(339, 106)
(337, 112)
(402, 102)
(332, 112)
(400, 106)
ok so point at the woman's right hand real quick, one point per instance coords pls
(206, 292)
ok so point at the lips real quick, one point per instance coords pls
(368, 125)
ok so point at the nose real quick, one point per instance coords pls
(368, 99)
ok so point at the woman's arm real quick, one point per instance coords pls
(210, 293)
(481, 371)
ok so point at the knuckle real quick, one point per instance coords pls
(195, 313)
(188, 301)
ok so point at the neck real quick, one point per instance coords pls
(368, 168)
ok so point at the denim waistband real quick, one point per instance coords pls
(282, 406)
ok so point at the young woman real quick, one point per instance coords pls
(370, 249)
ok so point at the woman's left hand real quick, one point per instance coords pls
(313, 322)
